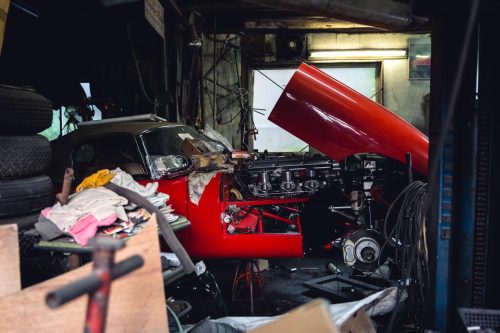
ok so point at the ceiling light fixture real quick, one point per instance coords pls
(359, 54)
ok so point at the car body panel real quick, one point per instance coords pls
(207, 236)
(340, 122)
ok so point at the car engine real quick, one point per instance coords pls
(355, 192)
(288, 177)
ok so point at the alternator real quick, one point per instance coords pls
(362, 250)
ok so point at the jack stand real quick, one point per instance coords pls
(247, 273)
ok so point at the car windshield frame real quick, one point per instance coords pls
(167, 140)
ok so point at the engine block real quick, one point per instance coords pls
(288, 177)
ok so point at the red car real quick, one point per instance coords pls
(269, 207)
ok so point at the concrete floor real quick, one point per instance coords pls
(283, 284)
(283, 289)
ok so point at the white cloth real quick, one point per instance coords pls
(197, 183)
(99, 202)
(379, 303)
(159, 200)
(125, 180)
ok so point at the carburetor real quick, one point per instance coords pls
(288, 177)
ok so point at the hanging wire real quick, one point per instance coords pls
(138, 69)
(267, 77)
(407, 237)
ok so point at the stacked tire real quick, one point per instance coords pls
(24, 156)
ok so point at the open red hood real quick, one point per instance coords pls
(341, 122)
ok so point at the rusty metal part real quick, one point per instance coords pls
(237, 194)
(98, 283)
(66, 188)
(97, 306)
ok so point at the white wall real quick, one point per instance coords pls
(400, 95)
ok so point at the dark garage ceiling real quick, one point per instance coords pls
(54, 45)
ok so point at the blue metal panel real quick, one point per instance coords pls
(445, 181)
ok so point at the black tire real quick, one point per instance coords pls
(23, 222)
(23, 111)
(25, 196)
(23, 156)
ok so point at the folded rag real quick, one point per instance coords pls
(86, 227)
(98, 202)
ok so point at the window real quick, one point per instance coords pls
(360, 77)
(65, 119)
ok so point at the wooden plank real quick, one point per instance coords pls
(10, 276)
(4, 9)
(137, 302)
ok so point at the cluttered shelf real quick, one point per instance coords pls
(69, 245)
(96, 209)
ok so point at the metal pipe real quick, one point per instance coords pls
(90, 283)
(385, 14)
(66, 188)
(170, 276)
(69, 292)
(97, 306)
(98, 283)
(165, 228)
(126, 266)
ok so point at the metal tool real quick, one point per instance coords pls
(98, 283)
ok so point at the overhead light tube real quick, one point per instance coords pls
(358, 54)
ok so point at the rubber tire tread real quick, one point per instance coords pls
(23, 111)
(24, 156)
(23, 222)
(25, 196)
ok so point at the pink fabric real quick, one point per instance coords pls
(46, 212)
(86, 227)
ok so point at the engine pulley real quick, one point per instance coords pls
(362, 250)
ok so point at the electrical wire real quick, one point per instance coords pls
(138, 70)
(407, 216)
(267, 77)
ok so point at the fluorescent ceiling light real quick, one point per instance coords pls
(360, 54)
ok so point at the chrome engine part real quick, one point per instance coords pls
(362, 249)
(288, 177)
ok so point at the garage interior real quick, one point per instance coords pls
(248, 166)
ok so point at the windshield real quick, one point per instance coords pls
(163, 148)
(166, 141)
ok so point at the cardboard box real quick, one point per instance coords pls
(308, 318)
(204, 160)
(189, 148)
